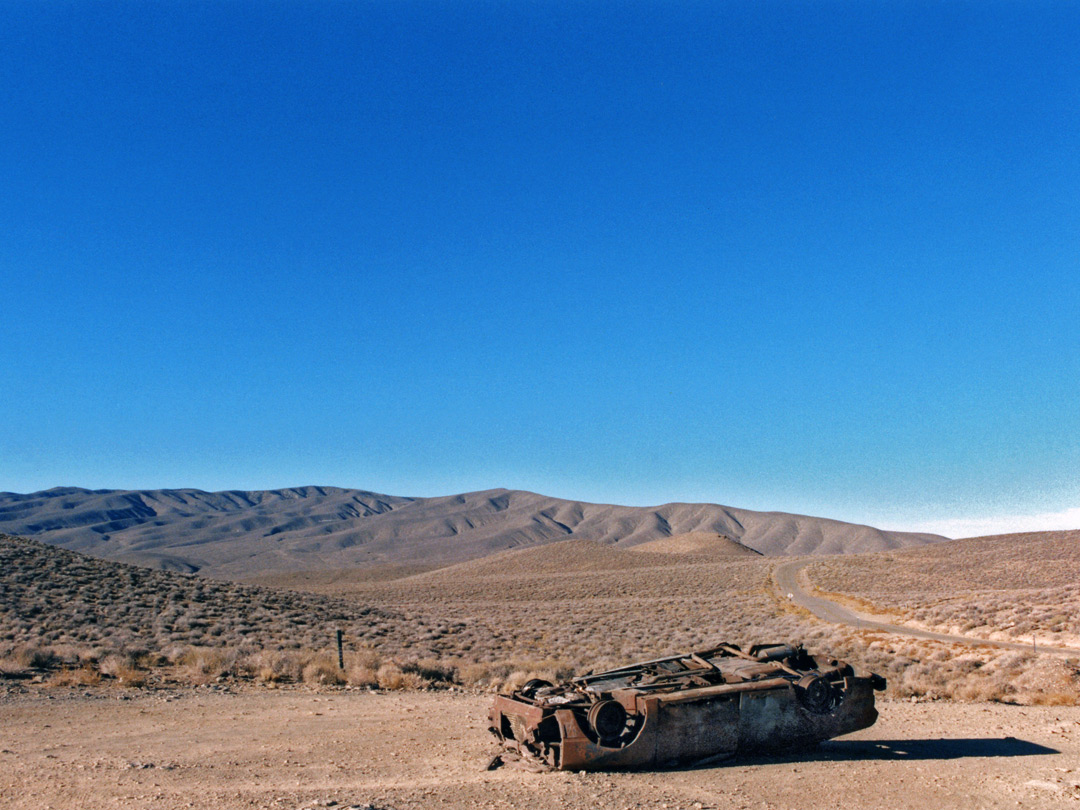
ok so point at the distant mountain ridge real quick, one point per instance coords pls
(233, 534)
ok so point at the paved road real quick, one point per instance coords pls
(787, 577)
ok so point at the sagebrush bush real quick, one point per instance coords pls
(323, 670)
(81, 676)
(431, 670)
(391, 677)
(276, 666)
(35, 657)
(360, 675)
(204, 664)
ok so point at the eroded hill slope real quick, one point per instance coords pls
(240, 534)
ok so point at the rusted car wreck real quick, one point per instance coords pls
(698, 707)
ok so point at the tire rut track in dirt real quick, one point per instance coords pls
(786, 576)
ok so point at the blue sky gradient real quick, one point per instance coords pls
(810, 257)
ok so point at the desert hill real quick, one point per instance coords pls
(569, 557)
(243, 534)
(1025, 559)
(1015, 587)
(561, 558)
(53, 596)
(975, 564)
(697, 544)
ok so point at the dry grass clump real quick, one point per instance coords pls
(361, 668)
(27, 656)
(391, 677)
(322, 669)
(432, 670)
(362, 676)
(205, 664)
(82, 676)
(274, 666)
(1046, 681)
(123, 668)
(512, 674)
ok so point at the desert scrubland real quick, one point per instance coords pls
(1016, 587)
(125, 686)
(483, 624)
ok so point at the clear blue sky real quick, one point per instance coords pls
(811, 257)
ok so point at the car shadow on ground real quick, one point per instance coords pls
(945, 748)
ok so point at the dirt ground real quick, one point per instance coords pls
(209, 748)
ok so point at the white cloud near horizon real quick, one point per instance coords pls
(1003, 524)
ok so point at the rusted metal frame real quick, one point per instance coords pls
(705, 662)
(731, 649)
(579, 751)
(506, 705)
(521, 717)
(830, 673)
(689, 695)
(737, 652)
(652, 688)
(668, 677)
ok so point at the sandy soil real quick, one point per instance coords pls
(207, 748)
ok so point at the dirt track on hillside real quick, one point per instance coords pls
(793, 585)
(294, 749)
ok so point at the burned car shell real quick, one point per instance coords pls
(707, 705)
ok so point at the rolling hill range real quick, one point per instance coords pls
(238, 534)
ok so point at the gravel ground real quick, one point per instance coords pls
(212, 748)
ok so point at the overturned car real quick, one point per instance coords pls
(701, 706)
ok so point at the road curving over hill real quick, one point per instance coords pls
(795, 588)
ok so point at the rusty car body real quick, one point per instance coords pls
(692, 708)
